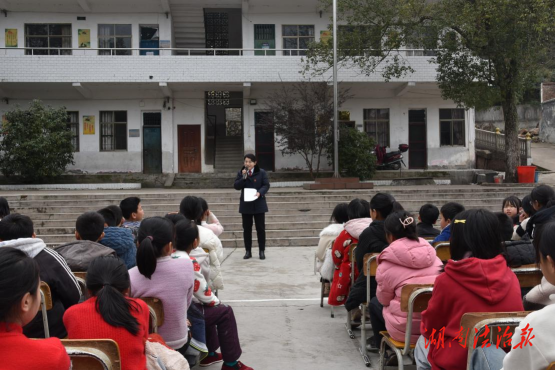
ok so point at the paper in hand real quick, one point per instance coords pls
(249, 195)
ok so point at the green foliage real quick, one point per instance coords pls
(36, 143)
(355, 154)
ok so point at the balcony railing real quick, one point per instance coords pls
(495, 142)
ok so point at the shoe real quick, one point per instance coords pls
(247, 255)
(209, 360)
(390, 359)
(262, 256)
(371, 345)
(238, 366)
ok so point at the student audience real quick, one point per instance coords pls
(512, 206)
(16, 231)
(132, 212)
(428, 217)
(19, 304)
(543, 200)
(120, 239)
(527, 212)
(446, 214)
(519, 252)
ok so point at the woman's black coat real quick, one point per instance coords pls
(259, 181)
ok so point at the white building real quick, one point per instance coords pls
(185, 111)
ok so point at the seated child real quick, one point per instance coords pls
(428, 217)
(89, 229)
(512, 206)
(527, 212)
(133, 213)
(446, 214)
(209, 219)
(119, 239)
(476, 279)
(19, 304)
(407, 260)
(520, 252)
(117, 214)
(16, 231)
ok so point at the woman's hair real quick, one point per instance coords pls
(203, 204)
(250, 156)
(383, 203)
(175, 217)
(513, 201)
(4, 207)
(476, 232)
(505, 226)
(191, 208)
(401, 224)
(154, 234)
(358, 208)
(527, 206)
(185, 234)
(543, 241)
(544, 195)
(107, 279)
(340, 214)
(19, 275)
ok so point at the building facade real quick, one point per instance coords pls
(176, 86)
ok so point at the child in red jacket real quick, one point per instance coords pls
(476, 279)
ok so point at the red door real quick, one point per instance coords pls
(188, 146)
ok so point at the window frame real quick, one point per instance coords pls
(293, 52)
(114, 37)
(31, 51)
(375, 122)
(452, 121)
(76, 147)
(101, 136)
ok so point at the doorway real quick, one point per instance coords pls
(152, 142)
(189, 150)
(264, 140)
(149, 39)
(418, 146)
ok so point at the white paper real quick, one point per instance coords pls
(249, 195)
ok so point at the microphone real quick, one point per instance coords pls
(245, 175)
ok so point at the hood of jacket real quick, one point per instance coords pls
(487, 279)
(332, 230)
(80, 253)
(416, 254)
(357, 226)
(31, 246)
(541, 217)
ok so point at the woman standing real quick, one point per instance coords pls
(253, 177)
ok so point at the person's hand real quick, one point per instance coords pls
(244, 172)
(522, 216)
(258, 195)
(189, 323)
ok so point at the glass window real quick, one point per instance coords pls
(48, 36)
(376, 125)
(115, 36)
(451, 127)
(297, 37)
(113, 130)
(73, 126)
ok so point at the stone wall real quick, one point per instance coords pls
(529, 117)
(547, 125)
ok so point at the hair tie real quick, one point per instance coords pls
(406, 222)
(460, 221)
(151, 238)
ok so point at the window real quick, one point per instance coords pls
(451, 123)
(297, 37)
(48, 36)
(114, 36)
(73, 126)
(376, 125)
(113, 131)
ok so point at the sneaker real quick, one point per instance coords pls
(371, 345)
(238, 366)
(209, 360)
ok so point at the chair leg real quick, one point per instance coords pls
(332, 314)
(322, 293)
(348, 326)
(363, 351)
(382, 355)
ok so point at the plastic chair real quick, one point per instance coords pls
(443, 251)
(528, 275)
(352, 259)
(93, 354)
(156, 313)
(370, 269)
(45, 305)
(414, 299)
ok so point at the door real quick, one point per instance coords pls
(264, 140)
(418, 149)
(152, 142)
(188, 146)
(149, 39)
(264, 38)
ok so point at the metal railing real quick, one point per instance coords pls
(495, 141)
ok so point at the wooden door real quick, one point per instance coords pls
(152, 142)
(188, 146)
(418, 146)
(264, 140)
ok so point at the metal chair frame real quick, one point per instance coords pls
(349, 322)
(370, 267)
(45, 305)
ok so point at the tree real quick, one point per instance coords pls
(36, 143)
(487, 52)
(302, 119)
(355, 154)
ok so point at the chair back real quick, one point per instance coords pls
(528, 275)
(80, 274)
(442, 251)
(83, 286)
(156, 313)
(45, 305)
(370, 264)
(551, 366)
(352, 260)
(414, 299)
(93, 354)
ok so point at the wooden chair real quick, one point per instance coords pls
(528, 275)
(414, 299)
(473, 323)
(352, 260)
(83, 286)
(156, 313)
(443, 251)
(93, 354)
(551, 366)
(370, 268)
(45, 305)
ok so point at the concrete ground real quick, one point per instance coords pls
(281, 324)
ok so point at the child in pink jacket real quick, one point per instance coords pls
(408, 260)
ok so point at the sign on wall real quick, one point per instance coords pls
(134, 132)
(84, 38)
(11, 37)
(88, 125)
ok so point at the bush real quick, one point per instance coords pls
(355, 154)
(36, 143)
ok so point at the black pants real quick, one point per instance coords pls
(377, 320)
(259, 220)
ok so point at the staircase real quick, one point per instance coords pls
(295, 219)
(229, 154)
(188, 28)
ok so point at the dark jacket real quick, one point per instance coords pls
(80, 253)
(121, 240)
(259, 181)
(539, 218)
(424, 230)
(372, 240)
(520, 252)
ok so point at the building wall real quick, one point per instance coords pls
(529, 117)
(547, 125)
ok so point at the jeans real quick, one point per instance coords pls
(221, 330)
(421, 355)
(489, 358)
(259, 220)
(377, 320)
